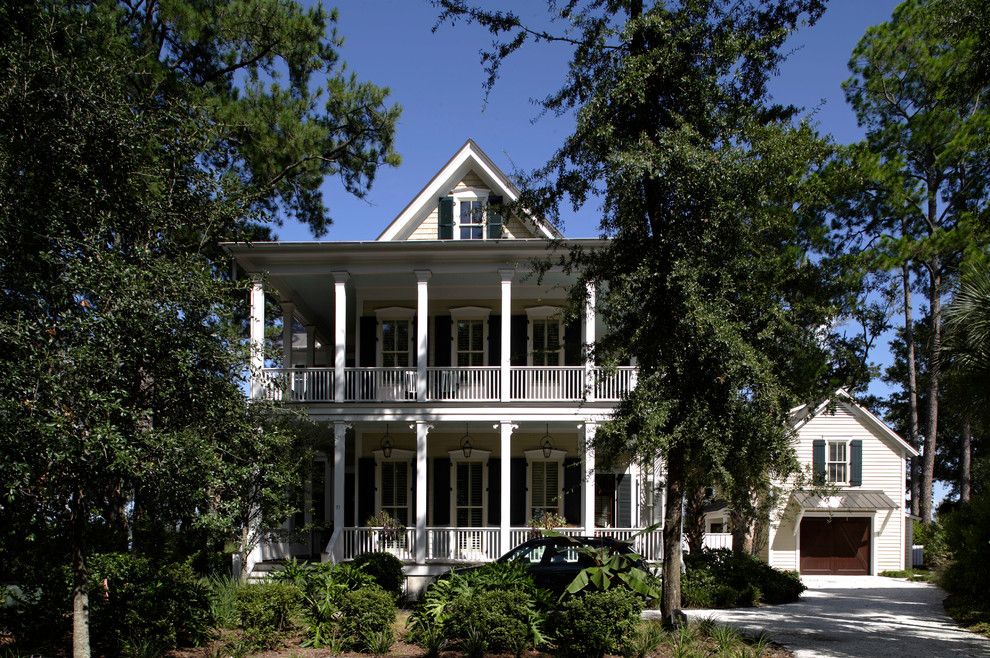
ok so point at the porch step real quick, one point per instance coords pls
(262, 570)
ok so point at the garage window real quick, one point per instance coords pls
(838, 462)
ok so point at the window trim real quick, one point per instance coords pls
(456, 457)
(471, 194)
(399, 455)
(536, 455)
(848, 460)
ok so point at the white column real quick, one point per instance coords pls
(634, 490)
(339, 333)
(505, 362)
(288, 311)
(505, 489)
(422, 429)
(310, 345)
(589, 340)
(257, 335)
(588, 490)
(339, 452)
(422, 325)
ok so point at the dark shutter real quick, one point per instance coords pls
(572, 490)
(856, 463)
(494, 491)
(369, 341)
(517, 494)
(572, 343)
(348, 500)
(445, 220)
(818, 461)
(366, 489)
(519, 326)
(414, 340)
(412, 492)
(623, 500)
(495, 340)
(441, 341)
(494, 213)
(441, 491)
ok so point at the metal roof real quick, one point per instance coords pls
(845, 501)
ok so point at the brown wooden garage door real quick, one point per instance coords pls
(835, 546)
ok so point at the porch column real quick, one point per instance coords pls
(505, 489)
(339, 452)
(588, 490)
(422, 343)
(505, 360)
(635, 474)
(257, 335)
(589, 341)
(422, 429)
(288, 311)
(339, 333)
(310, 345)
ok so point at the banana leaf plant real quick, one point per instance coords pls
(611, 568)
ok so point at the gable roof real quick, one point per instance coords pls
(804, 414)
(469, 157)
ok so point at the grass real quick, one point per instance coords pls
(917, 575)
(704, 638)
(969, 612)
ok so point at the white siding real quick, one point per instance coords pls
(883, 463)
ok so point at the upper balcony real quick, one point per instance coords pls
(448, 384)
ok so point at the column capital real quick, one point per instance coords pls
(415, 425)
(340, 276)
(503, 423)
(422, 276)
(506, 274)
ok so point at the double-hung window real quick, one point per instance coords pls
(837, 463)
(395, 490)
(396, 336)
(470, 495)
(544, 488)
(547, 348)
(470, 343)
(472, 220)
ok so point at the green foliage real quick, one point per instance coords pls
(364, 612)
(385, 568)
(914, 575)
(595, 623)
(645, 640)
(612, 568)
(267, 611)
(967, 537)
(507, 619)
(932, 537)
(378, 643)
(720, 579)
(222, 592)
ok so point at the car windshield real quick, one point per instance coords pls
(531, 554)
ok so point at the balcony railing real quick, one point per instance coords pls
(399, 542)
(466, 384)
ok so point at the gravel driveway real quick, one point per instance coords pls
(860, 617)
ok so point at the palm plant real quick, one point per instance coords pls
(967, 323)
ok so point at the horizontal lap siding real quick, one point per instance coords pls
(881, 472)
(427, 230)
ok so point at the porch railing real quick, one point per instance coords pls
(479, 383)
(717, 540)
(649, 545)
(462, 544)
(476, 383)
(399, 542)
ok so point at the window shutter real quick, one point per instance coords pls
(818, 461)
(572, 343)
(517, 497)
(572, 490)
(856, 463)
(494, 491)
(494, 212)
(441, 491)
(623, 500)
(519, 326)
(369, 340)
(349, 481)
(445, 220)
(441, 340)
(494, 340)
(366, 489)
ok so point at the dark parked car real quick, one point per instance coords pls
(555, 561)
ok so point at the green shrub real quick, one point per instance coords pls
(721, 579)
(365, 611)
(967, 537)
(507, 619)
(267, 611)
(222, 591)
(385, 568)
(933, 537)
(595, 623)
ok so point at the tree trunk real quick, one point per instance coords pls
(670, 601)
(245, 551)
(80, 586)
(966, 462)
(694, 519)
(912, 388)
(742, 541)
(934, 372)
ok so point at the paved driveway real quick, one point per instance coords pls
(860, 617)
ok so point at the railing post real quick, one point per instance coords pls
(422, 325)
(588, 490)
(339, 333)
(257, 335)
(589, 341)
(505, 357)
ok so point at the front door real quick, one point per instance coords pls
(835, 546)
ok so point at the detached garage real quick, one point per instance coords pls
(839, 542)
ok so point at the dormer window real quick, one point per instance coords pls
(471, 220)
(470, 214)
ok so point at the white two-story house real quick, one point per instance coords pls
(460, 400)
(462, 403)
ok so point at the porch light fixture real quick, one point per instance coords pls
(547, 443)
(466, 443)
(386, 443)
